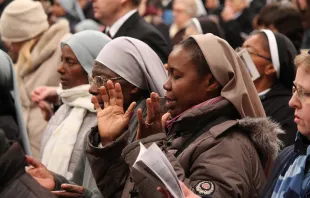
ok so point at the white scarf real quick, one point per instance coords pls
(59, 147)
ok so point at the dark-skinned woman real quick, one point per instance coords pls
(217, 137)
(273, 55)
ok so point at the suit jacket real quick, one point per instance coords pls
(136, 27)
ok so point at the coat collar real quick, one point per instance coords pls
(131, 21)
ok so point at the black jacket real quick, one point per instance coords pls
(14, 181)
(136, 27)
(276, 106)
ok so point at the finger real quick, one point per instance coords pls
(33, 162)
(112, 93)
(130, 111)
(96, 104)
(150, 113)
(164, 192)
(64, 194)
(156, 107)
(141, 124)
(105, 96)
(72, 188)
(164, 119)
(184, 188)
(119, 95)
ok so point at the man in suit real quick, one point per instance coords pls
(122, 19)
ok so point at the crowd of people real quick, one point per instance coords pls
(221, 86)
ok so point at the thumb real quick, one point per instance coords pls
(130, 111)
(165, 118)
(33, 162)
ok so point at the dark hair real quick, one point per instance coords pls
(197, 56)
(136, 2)
(267, 14)
(286, 19)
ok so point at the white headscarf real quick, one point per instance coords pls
(136, 62)
(59, 147)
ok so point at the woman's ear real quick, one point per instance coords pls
(269, 70)
(212, 84)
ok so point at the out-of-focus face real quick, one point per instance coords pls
(190, 30)
(58, 10)
(212, 4)
(71, 71)
(180, 15)
(301, 102)
(105, 9)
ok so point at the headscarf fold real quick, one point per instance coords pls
(73, 8)
(136, 62)
(229, 70)
(86, 46)
(8, 81)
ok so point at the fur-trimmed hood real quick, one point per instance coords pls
(263, 133)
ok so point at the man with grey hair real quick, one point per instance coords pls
(122, 19)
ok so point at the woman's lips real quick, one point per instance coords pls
(297, 119)
(170, 103)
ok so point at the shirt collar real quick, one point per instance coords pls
(118, 24)
(263, 92)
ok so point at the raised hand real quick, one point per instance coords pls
(70, 191)
(153, 123)
(45, 93)
(40, 173)
(112, 120)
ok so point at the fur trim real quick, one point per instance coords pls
(49, 42)
(263, 132)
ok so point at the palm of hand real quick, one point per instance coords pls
(43, 176)
(111, 122)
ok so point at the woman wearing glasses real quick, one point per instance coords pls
(290, 175)
(273, 55)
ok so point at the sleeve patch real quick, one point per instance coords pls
(205, 188)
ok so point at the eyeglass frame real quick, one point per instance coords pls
(301, 93)
(238, 49)
(92, 81)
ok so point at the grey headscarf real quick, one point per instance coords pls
(87, 24)
(8, 81)
(73, 8)
(86, 46)
(136, 62)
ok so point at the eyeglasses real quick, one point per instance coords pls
(98, 81)
(253, 53)
(301, 94)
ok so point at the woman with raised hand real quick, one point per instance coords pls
(216, 135)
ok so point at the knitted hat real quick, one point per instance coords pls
(22, 20)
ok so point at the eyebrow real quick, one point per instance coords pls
(298, 85)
